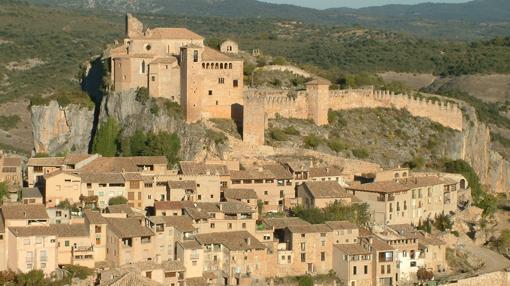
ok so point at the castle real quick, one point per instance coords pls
(175, 64)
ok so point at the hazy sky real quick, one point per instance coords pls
(322, 4)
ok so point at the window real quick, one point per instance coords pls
(265, 193)
(221, 80)
(388, 269)
(382, 269)
(148, 274)
(213, 225)
(97, 229)
(413, 264)
(210, 92)
(365, 269)
(195, 56)
(323, 256)
(212, 196)
(244, 225)
(142, 67)
(194, 263)
(354, 270)
(29, 257)
(199, 197)
(153, 78)
(229, 225)
(303, 257)
(236, 83)
(169, 274)
(66, 243)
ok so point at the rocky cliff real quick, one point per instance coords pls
(61, 129)
(133, 116)
(475, 148)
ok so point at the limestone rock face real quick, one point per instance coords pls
(60, 129)
(475, 148)
(133, 116)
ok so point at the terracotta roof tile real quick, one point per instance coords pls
(352, 249)
(46, 161)
(325, 172)
(283, 222)
(341, 224)
(173, 33)
(172, 205)
(128, 227)
(22, 211)
(24, 231)
(195, 168)
(240, 194)
(186, 184)
(211, 54)
(235, 240)
(70, 230)
(312, 228)
(12, 162)
(94, 217)
(111, 178)
(326, 189)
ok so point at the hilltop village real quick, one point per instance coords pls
(142, 221)
(220, 223)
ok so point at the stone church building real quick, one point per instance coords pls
(174, 63)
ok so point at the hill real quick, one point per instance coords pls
(473, 20)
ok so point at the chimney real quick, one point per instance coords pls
(248, 241)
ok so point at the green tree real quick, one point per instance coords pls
(278, 134)
(32, 278)
(137, 143)
(142, 95)
(106, 140)
(502, 243)
(119, 200)
(163, 144)
(312, 141)
(443, 222)
(305, 281)
(4, 191)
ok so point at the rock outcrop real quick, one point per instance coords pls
(133, 116)
(474, 147)
(61, 129)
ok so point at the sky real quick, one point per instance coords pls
(323, 4)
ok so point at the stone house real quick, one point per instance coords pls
(11, 171)
(320, 194)
(353, 264)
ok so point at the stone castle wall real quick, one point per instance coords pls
(284, 103)
(494, 279)
(444, 113)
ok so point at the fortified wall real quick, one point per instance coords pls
(314, 103)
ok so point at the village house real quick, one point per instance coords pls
(128, 241)
(11, 171)
(170, 273)
(353, 264)
(407, 201)
(320, 194)
(168, 231)
(31, 196)
(272, 183)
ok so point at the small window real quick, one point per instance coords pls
(148, 47)
(195, 56)
(210, 92)
(236, 83)
(153, 78)
(221, 80)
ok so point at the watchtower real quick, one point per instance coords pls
(318, 100)
(254, 120)
(192, 88)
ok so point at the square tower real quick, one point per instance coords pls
(318, 100)
(192, 87)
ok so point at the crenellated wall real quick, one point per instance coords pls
(297, 105)
(444, 113)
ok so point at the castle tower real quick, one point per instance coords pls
(134, 27)
(318, 100)
(191, 82)
(254, 120)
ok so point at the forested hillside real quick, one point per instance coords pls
(479, 19)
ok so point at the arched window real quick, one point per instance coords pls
(216, 66)
(230, 66)
(142, 67)
(203, 65)
(404, 174)
(208, 66)
(221, 66)
(396, 175)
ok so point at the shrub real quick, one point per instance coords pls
(360, 153)
(278, 134)
(312, 141)
(291, 130)
(119, 200)
(217, 137)
(142, 95)
(9, 122)
(416, 163)
(173, 109)
(337, 144)
(79, 272)
(305, 281)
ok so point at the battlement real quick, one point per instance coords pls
(445, 113)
